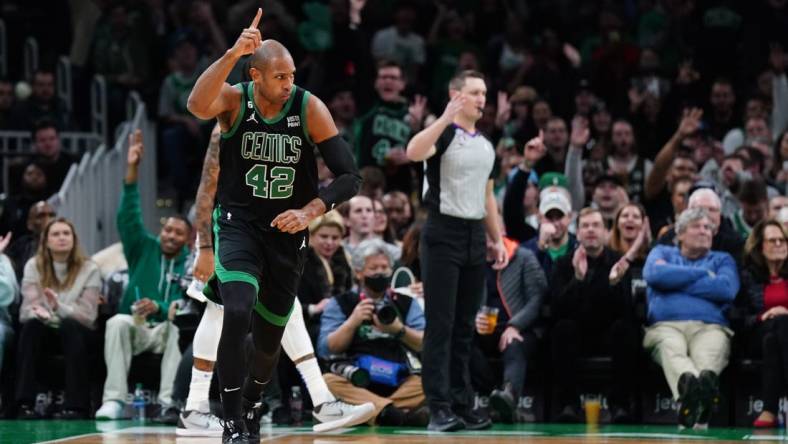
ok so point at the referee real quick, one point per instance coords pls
(461, 205)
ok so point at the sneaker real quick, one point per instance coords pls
(196, 423)
(111, 410)
(709, 395)
(234, 432)
(475, 419)
(444, 420)
(252, 414)
(336, 414)
(504, 402)
(689, 399)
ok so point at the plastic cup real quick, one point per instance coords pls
(138, 319)
(592, 406)
(491, 313)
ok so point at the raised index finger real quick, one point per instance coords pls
(256, 20)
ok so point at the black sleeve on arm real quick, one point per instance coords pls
(347, 182)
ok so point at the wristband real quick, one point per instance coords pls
(206, 247)
(400, 334)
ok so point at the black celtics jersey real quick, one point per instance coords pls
(267, 166)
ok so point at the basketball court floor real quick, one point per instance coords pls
(122, 432)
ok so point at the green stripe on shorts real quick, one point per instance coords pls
(275, 319)
(221, 272)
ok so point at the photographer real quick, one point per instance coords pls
(381, 328)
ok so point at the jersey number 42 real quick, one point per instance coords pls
(279, 185)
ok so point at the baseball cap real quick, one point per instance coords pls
(554, 198)
(553, 179)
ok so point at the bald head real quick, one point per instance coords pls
(272, 70)
(268, 51)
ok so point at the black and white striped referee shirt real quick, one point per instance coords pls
(456, 176)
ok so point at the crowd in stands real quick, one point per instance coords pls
(641, 174)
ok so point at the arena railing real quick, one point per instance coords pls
(30, 58)
(64, 82)
(91, 193)
(18, 143)
(98, 106)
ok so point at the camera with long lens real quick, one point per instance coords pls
(385, 311)
(357, 376)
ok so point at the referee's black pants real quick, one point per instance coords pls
(453, 254)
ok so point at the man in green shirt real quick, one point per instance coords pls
(382, 133)
(156, 264)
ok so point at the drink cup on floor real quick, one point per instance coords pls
(592, 406)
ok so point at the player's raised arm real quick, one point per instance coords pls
(211, 95)
(336, 152)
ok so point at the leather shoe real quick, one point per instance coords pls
(444, 420)
(475, 419)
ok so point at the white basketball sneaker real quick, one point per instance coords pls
(337, 414)
(196, 423)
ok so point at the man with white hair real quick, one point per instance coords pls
(689, 289)
(378, 331)
(725, 236)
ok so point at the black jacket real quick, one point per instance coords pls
(591, 301)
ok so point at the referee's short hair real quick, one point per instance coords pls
(458, 81)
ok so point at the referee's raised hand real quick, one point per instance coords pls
(453, 107)
(250, 38)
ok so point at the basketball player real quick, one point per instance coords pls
(196, 419)
(266, 196)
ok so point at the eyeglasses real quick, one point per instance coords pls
(775, 241)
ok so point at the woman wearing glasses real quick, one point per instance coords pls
(765, 279)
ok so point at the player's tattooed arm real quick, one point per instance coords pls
(207, 189)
